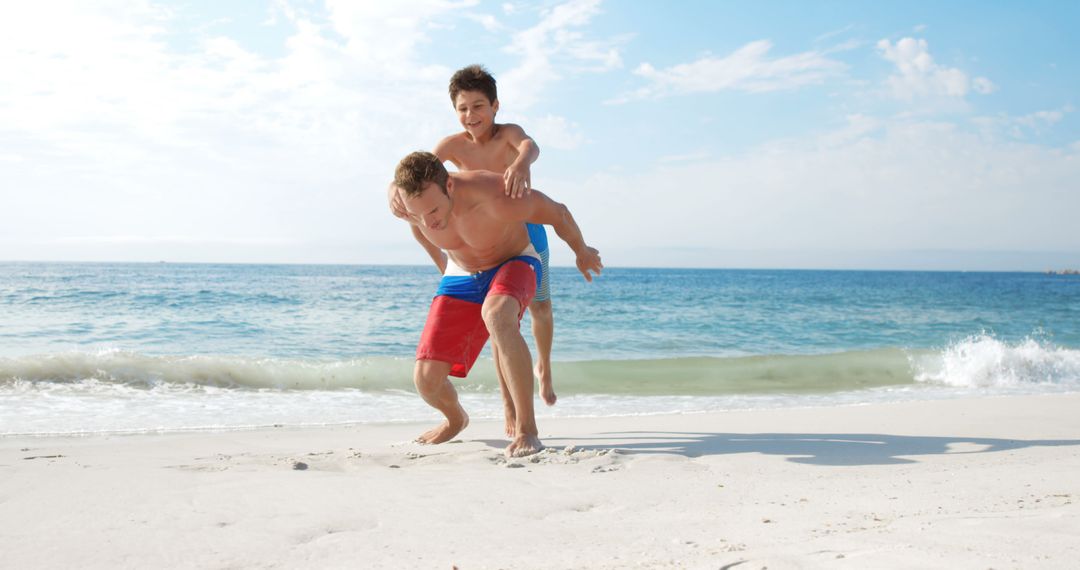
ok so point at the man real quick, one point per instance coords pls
(491, 277)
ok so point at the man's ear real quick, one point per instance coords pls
(495, 106)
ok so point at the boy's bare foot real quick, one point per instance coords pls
(524, 445)
(547, 388)
(447, 430)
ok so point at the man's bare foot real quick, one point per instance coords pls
(524, 445)
(511, 422)
(547, 388)
(445, 431)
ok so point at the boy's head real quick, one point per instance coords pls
(472, 91)
(473, 78)
(417, 170)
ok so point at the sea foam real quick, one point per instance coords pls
(135, 369)
(982, 361)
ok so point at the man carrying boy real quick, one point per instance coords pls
(505, 149)
(491, 275)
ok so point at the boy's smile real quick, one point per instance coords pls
(476, 114)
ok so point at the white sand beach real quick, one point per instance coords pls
(973, 483)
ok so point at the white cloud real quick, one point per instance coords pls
(556, 132)
(874, 184)
(118, 118)
(388, 34)
(748, 69)
(688, 157)
(1020, 127)
(1042, 118)
(489, 22)
(554, 48)
(121, 130)
(983, 86)
(834, 33)
(919, 76)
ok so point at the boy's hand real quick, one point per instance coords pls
(397, 204)
(588, 259)
(517, 181)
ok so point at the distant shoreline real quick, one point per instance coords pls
(555, 265)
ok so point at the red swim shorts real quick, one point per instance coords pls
(455, 331)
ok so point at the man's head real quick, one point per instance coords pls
(475, 99)
(424, 183)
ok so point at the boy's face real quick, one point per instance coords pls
(475, 112)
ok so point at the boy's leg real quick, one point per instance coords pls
(543, 320)
(543, 329)
(432, 381)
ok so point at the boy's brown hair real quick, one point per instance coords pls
(473, 78)
(416, 170)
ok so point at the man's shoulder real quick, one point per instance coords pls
(478, 186)
(478, 181)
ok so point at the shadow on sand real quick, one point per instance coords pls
(808, 448)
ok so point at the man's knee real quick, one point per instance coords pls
(430, 375)
(501, 313)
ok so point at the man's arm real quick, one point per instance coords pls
(397, 207)
(537, 208)
(436, 254)
(518, 178)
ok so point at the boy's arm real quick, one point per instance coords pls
(537, 208)
(445, 150)
(518, 178)
(397, 207)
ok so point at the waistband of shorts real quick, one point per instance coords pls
(455, 270)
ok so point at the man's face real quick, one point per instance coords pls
(431, 208)
(475, 112)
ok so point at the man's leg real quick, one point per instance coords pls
(508, 402)
(543, 328)
(501, 315)
(432, 381)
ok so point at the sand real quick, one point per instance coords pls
(966, 483)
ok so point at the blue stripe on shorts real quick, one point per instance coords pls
(538, 238)
(543, 292)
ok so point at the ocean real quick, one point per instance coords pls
(103, 348)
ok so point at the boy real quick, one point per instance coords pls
(506, 149)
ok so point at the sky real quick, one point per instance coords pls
(764, 134)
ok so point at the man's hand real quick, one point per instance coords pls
(517, 180)
(588, 260)
(397, 203)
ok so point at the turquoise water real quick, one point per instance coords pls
(145, 347)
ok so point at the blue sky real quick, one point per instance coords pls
(916, 135)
